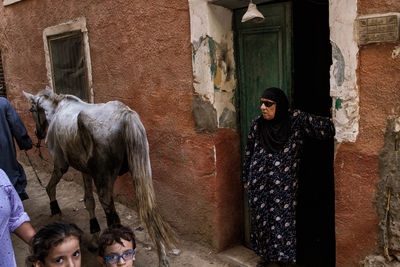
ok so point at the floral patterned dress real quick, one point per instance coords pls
(272, 185)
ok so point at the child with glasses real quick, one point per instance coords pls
(56, 244)
(117, 246)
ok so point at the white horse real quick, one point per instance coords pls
(102, 141)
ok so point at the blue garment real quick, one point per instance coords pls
(272, 185)
(11, 127)
(12, 215)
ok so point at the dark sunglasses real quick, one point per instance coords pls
(267, 103)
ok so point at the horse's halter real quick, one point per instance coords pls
(40, 123)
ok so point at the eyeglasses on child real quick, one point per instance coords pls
(114, 259)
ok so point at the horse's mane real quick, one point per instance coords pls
(56, 98)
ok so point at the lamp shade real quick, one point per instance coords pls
(252, 14)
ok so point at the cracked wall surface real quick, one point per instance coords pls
(389, 171)
(343, 81)
(214, 112)
(213, 64)
(365, 160)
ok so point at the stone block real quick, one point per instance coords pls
(378, 28)
(378, 261)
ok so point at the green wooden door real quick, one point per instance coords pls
(263, 60)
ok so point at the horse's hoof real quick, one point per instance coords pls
(164, 263)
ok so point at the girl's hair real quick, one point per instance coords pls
(50, 236)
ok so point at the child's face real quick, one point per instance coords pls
(65, 254)
(118, 249)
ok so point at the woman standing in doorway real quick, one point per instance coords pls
(270, 174)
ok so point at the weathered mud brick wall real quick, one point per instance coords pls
(365, 85)
(142, 53)
(388, 187)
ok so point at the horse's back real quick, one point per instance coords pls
(110, 112)
(96, 116)
(89, 132)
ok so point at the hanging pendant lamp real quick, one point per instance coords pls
(252, 14)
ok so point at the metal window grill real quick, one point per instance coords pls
(3, 91)
(68, 64)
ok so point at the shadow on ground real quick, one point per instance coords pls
(70, 199)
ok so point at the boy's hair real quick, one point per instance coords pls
(113, 234)
(50, 236)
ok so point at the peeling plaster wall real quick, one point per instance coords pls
(213, 62)
(214, 112)
(364, 161)
(343, 81)
(389, 171)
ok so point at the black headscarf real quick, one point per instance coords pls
(275, 132)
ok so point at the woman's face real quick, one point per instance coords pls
(268, 108)
(65, 254)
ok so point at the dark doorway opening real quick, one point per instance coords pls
(312, 59)
(306, 44)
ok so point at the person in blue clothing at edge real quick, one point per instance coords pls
(11, 126)
(270, 174)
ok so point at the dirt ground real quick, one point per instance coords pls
(70, 199)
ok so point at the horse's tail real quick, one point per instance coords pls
(137, 149)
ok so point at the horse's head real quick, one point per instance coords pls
(39, 107)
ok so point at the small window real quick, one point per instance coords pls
(3, 92)
(68, 64)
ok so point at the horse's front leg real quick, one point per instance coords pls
(51, 190)
(90, 205)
